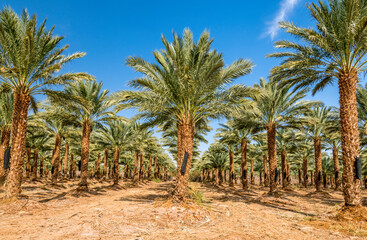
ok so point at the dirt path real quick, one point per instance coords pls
(143, 213)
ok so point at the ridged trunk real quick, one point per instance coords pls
(5, 139)
(116, 156)
(136, 167)
(336, 168)
(105, 160)
(35, 165)
(72, 166)
(299, 176)
(141, 171)
(272, 153)
(231, 173)
(56, 158)
(150, 168)
(165, 174)
(185, 143)
(252, 172)
(244, 165)
(283, 156)
(66, 160)
(318, 163)
(86, 129)
(98, 167)
(18, 142)
(305, 172)
(349, 136)
(155, 167)
(266, 173)
(28, 163)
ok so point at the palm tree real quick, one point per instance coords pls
(6, 111)
(86, 101)
(30, 61)
(335, 50)
(185, 86)
(316, 121)
(276, 107)
(116, 135)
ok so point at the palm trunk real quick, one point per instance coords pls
(155, 167)
(98, 167)
(185, 143)
(336, 168)
(105, 162)
(18, 142)
(72, 166)
(150, 168)
(299, 176)
(305, 172)
(165, 174)
(56, 159)
(141, 174)
(66, 156)
(86, 128)
(5, 139)
(349, 136)
(318, 163)
(34, 165)
(266, 174)
(28, 163)
(252, 172)
(283, 156)
(244, 165)
(231, 173)
(136, 166)
(272, 152)
(261, 177)
(116, 156)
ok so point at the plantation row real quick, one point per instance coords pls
(188, 85)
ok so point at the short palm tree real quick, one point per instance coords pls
(86, 101)
(30, 59)
(185, 86)
(334, 51)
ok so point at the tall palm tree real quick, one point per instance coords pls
(86, 101)
(334, 50)
(30, 59)
(185, 85)
(276, 107)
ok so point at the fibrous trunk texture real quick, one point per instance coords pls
(86, 129)
(283, 156)
(318, 163)
(5, 139)
(272, 153)
(116, 156)
(266, 173)
(244, 165)
(305, 172)
(185, 143)
(155, 167)
(66, 158)
(56, 158)
(18, 142)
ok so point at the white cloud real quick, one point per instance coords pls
(286, 7)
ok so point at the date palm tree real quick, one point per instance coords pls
(186, 85)
(6, 111)
(117, 136)
(90, 106)
(276, 107)
(30, 60)
(333, 51)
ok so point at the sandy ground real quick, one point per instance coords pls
(143, 212)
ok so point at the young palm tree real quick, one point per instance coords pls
(86, 101)
(276, 107)
(335, 50)
(185, 86)
(30, 61)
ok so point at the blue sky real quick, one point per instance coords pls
(110, 31)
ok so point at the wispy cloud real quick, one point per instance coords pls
(286, 7)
